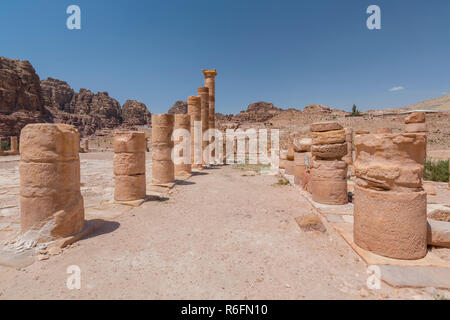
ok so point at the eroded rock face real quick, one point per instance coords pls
(135, 113)
(21, 101)
(57, 94)
(50, 199)
(258, 112)
(179, 107)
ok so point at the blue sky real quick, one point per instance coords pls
(290, 53)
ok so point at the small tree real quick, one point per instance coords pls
(355, 111)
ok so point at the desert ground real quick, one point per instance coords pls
(225, 233)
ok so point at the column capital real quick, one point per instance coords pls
(211, 73)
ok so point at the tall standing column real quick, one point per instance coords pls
(129, 166)
(162, 144)
(195, 112)
(210, 83)
(203, 93)
(50, 199)
(182, 121)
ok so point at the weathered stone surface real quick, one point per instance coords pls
(302, 144)
(135, 113)
(416, 127)
(328, 137)
(415, 117)
(383, 130)
(362, 132)
(50, 200)
(129, 163)
(129, 188)
(329, 182)
(289, 167)
(391, 224)
(438, 233)
(203, 94)
(162, 144)
(325, 126)
(390, 161)
(182, 121)
(194, 110)
(129, 142)
(329, 151)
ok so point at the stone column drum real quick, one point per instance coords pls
(195, 112)
(301, 148)
(50, 199)
(415, 122)
(203, 94)
(390, 206)
(162, 144)
(328, 171)
(182, 121)
(210, 83)
(348, 158)
(129, 166)
(14, 145)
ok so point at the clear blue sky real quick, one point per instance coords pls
(290, 53)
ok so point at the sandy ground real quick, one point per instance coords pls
(223, 234)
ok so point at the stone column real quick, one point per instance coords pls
(195, 112)
(390, 206)
(85, 145)
(51, 205)
(162, 144)
(415, 122)
(329, 172)
(14, 145)
(203, 94)
(182, 121)
(348, 158)
(210, 83)
(129, 166)
(301, 148)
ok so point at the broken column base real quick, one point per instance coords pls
(391, 224)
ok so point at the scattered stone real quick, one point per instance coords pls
(325, 126)
(310, 222)
(438, 233)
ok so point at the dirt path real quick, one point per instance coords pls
(223, 234)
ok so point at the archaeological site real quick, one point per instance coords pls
(191, 197)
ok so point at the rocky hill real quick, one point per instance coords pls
(179, 107)
(25, 99)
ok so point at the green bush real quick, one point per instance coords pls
(5, 145)
(436, 170)
(355, 111)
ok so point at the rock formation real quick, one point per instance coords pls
(135, 113)
(179, 107)
(129, 166)
(329, 172)
(50, 200)
(390, 216)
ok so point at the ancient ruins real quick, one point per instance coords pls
(129, 166)
(163, 171)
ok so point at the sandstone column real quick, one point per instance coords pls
(348, 158)
(203, 94)
(415, 122)
(14, 145)
(210, 83)
(182, 121)
(301, 148)
(162, 144)
(329, 172)
(129, 166)
(390, 206)
(194, 110)
(50, 199)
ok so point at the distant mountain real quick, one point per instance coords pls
(437, 104)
